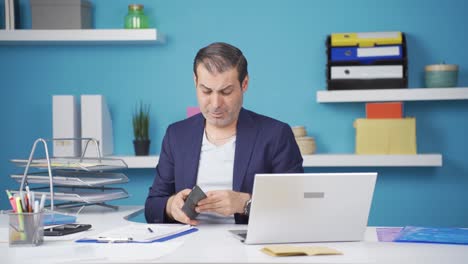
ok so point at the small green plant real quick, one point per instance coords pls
(141, 122)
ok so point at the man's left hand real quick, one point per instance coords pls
(225, 202)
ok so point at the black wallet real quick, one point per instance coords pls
(66, 229)
(191, 202)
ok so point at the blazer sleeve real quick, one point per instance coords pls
(287, 157)
(163, 185)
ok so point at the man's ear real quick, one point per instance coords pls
(195, 80)
(245, 84)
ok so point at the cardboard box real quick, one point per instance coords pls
(384, 110)
(61, 14)
(385, 136)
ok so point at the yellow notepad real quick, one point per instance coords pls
(286, 250)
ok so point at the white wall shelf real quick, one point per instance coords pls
(382, 95)
(325, 160)
(80, 36)
(353, 160)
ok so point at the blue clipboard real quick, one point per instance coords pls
(162, 239)
(439, 235)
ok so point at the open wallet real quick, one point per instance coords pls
(191, 202)
(66, 229)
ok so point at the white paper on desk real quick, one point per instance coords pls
(91, 253)
(3, 235)
(136, 252)
(141, 233)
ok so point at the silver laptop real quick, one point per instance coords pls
(309, 207)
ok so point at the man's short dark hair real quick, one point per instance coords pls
(220, 57)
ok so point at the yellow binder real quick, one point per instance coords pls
(366, 39)
(385, 136)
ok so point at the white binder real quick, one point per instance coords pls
(12, 13)
(66, 124)
(367, 72)
(7, 14)
(96, 123)
(378, 51)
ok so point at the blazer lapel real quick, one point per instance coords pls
(192, 152)
(245, 141)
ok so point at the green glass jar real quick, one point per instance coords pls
(136, 18)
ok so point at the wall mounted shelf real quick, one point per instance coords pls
(80, 36)
(139, 162)
(353, 160)
(325, 160)
(382, 95)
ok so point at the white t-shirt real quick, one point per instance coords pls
(215, 172)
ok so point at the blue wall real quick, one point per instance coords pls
(284, 44)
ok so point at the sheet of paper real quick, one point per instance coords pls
(95, 253)
(135, 252)
(387, 234)
(143, 232)
(3, 235)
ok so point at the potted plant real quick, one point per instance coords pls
(140, 120)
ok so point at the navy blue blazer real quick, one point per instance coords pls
(263, 145)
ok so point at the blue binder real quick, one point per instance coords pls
(440, 235)
(366, 55)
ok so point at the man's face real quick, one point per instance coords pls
(220, 95)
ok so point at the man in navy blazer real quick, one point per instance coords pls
(259, 144)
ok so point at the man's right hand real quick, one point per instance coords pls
(174, 207)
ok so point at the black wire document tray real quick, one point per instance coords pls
(85, 164)
(75, 178)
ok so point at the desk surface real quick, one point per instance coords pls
(214, 244)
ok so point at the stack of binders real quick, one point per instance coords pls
(375, 60)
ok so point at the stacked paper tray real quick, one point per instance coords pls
(67, 178)
(74, 181)
(85, 164)
(375, 60)
(82, 194)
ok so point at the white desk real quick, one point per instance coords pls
(213, 244)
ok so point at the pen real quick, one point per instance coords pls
(19, 208)
(22, 202)
(151, 230)
(41, 204)
(114, 239)
(33, 200)
(29, 204)
(20, 218)
(12, 200)
(36, 206)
